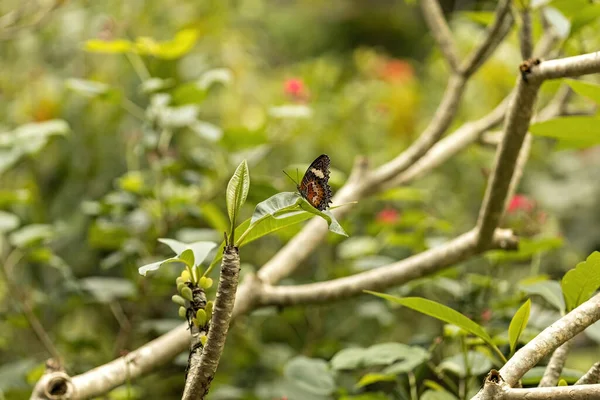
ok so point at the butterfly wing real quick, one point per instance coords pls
(314, 186)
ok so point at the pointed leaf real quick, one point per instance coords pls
(175, 245)
(187, 256)
(548, 290)
(572, 132)
(143, 270)
(371, 378)
(345, 359)
(201, 250)
(518, 324)
(439, 311)
(581, 282)
(587, 89)
(237, 190)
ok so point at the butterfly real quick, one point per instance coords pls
(314, 186)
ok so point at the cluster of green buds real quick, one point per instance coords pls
(185, 299)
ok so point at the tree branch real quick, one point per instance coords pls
(496, 31)
(556, 365)
(590, 377)
(395, 274)
(203, 368)
(434, 17)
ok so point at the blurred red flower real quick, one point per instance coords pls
(295, 87)
(521, 203)
(397, 71)
(388, 216)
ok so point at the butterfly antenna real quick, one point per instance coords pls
(286, 174)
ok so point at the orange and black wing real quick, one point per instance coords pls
(314, 186)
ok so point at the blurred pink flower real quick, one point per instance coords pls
(295, 87)
(521, 203)
(486, 315)
(388, 216)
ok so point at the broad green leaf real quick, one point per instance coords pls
(350, 358)
(107, 289)
(527, 249)
(175, 245)
(575, 132)
(143, 270)
(30, 235)
(584, 17)
(108, 46)
(92, 89)
(587, 89)
(386, 353)
(201, 250)
(371, 378)
(8, 221)
(438, 395)
(187, 256)
(415, 357)
(237, 190)
(581, 282)
(290, 202)
(310, 374)
(439, 311)
(518, 324)
(548, 290)
(478, 364)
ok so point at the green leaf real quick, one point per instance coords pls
(8, 221)
(92, 89)
(438, 395)
(572, 132)
(518, 324)
(587, 89)
(106, 289)
(30, 235)
(581, 282)
(311, 375)
(371, 378)
(548, 290)
(562, 382)
(527, 249)
(386, 353)
(477, 362)
(439, 311)
(237, 190)
(108, 46)
(181, 44)
(175, 245)
(351, 358)
(187, 256)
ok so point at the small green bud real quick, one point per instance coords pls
(180, 287)
(186, 292)
(203, 340)
(195, 321)
(206, 283)
(201, 317)
(185, 274)
(209, 309)
(178, 300)
(179, 280)
(182, 312)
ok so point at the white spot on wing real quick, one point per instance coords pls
(318, 173)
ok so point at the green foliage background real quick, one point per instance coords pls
(121, 123)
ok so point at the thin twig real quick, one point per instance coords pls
(525, 35)
(481, 52)
(8, 265)
(434, 17)
(556, 365)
